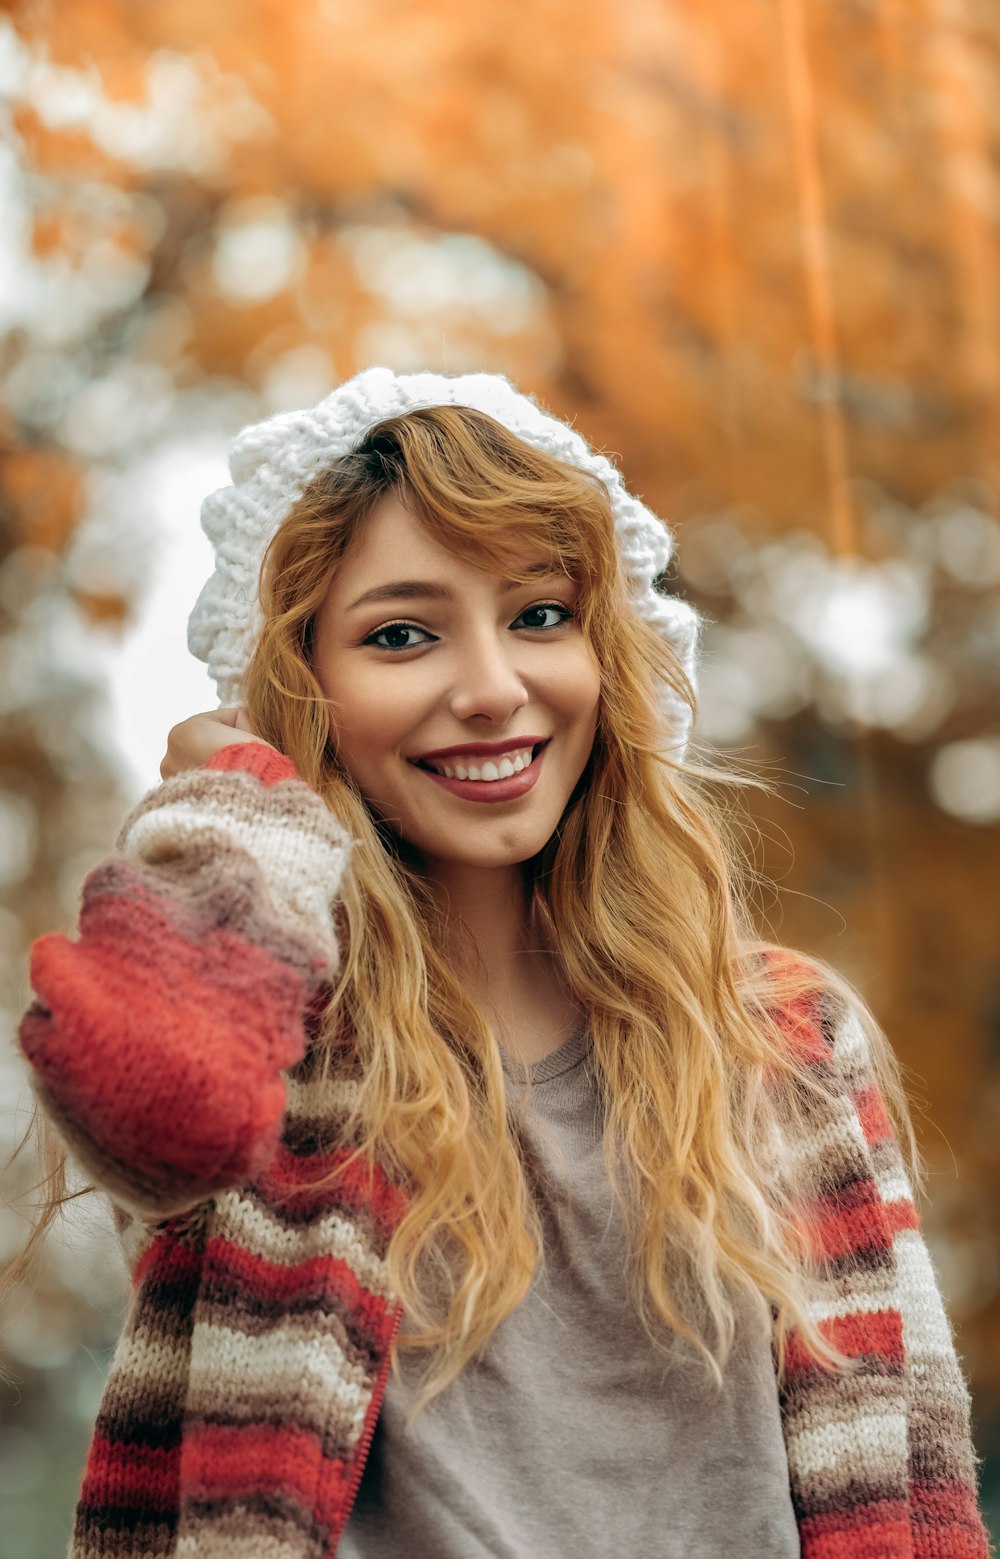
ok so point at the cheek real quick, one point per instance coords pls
(369, 724)
(366, 728)
(576, 690)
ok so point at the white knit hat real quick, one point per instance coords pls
(272, 462)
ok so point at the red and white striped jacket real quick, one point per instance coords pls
(169, 1045)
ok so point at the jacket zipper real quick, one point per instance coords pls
(371, 1419)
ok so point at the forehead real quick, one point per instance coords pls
(394, 544)
(391, 533)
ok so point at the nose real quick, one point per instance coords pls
(488, 682)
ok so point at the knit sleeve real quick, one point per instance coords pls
(941, 1461)
(882, 1456)
(156, 1040)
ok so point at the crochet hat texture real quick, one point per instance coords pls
(272, 462)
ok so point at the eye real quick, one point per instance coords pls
(407, 628)
(372, 638)
(550, 606)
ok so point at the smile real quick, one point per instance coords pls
(514, 775)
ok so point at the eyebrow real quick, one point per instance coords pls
(428, 590)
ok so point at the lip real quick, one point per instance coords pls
(482, 749)
(491, 790)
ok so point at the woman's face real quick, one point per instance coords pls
(479, 662)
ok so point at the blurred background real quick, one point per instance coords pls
(751, 248)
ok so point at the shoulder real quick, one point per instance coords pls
(813, 1004)
(836, 1041)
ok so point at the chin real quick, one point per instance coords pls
(479, 853)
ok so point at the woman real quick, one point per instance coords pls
(350, 1041)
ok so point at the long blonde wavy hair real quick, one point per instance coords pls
(643, 894)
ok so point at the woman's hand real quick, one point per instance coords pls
(200, 737)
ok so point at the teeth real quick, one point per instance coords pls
(511, 763)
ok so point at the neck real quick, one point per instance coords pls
(504, 957)
(490, 907)
(488, 933)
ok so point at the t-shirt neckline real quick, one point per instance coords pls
(567, 1055)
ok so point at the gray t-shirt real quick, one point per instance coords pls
(571, 1435)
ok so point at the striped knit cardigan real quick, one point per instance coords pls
(169, 1046)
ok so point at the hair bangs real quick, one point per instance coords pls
(493, 500)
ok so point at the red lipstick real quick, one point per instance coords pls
(482, 749)
(490, 790)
